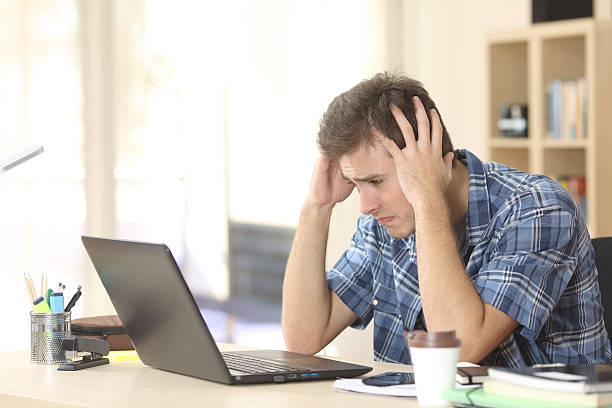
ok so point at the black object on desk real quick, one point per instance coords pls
(91, 351)
(74, 299)
(386, 379)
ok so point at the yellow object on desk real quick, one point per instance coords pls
(40, 306)
(123, 355)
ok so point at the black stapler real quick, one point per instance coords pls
(89, 350)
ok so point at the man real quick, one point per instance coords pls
(504, 257)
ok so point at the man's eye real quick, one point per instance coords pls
(376, 182)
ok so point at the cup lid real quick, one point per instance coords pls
(421, 338)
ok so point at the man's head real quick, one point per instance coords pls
(346, 137)
(350, 118)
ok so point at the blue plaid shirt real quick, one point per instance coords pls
(527, 252)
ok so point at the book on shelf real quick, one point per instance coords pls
(586, 378)
(503, 388)
(576, 186)
(567, 109)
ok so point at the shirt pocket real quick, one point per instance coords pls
(384, 299)
(386, 309)
(389, 342)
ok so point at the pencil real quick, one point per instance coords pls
(31, 283)
(28, 289)
(42, 286)
(45, 288)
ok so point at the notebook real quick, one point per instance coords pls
(502, 388)
(477, 397)
(586, 378)
(168, 331)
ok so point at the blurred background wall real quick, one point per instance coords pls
(194, 124)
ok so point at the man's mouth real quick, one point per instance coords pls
(385, 220)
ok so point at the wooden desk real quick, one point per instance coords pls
(132, 384)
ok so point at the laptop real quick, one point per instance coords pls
(168, 330)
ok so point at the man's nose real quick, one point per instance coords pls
(367, 202)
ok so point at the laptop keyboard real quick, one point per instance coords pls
(254, 365)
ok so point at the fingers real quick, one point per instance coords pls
(448, 162)
(436, 132)
(322, 163)
(387, 143)
(426, 139)
(422, 121)
(404, 126)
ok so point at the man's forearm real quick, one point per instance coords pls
(448, 297)
(306, 298)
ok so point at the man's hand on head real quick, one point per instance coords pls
(423, 173)
(327, 186)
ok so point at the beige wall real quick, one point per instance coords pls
(443, 46)
(451, 59)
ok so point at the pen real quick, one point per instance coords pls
(74, 299)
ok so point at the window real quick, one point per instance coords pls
(42, 210)
(209, 112)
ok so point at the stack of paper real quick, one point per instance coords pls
(356, 385)
(403, 390)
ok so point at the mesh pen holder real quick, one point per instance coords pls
(46, 334)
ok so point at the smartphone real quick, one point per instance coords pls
(383, 380)
(20, 157)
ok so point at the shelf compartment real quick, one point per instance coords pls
(564, 162)
(565, 144)
(508, 78)
(513, 157)
(510, 142)
(563, 58)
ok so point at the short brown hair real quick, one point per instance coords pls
(350, 118)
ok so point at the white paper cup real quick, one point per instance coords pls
(434, 367)
(434, 373)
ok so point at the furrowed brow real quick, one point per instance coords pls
(364, 179)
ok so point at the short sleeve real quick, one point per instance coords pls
(529, 267)
(351, 280)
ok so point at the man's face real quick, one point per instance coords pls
(372, 170)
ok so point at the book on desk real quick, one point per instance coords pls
(586, 378)
(544, 386)
(501, 388)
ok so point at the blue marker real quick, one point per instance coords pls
(57, 302)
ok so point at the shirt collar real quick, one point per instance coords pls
(479, 211)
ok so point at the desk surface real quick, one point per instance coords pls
(131, 383)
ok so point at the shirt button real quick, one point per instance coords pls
(375, 302)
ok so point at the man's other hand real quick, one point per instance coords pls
(327, 186)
